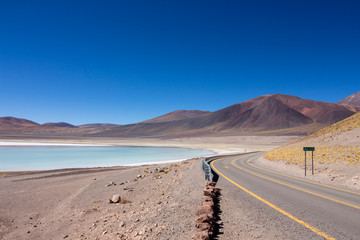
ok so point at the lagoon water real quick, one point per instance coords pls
(51, 157)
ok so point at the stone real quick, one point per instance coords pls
(202, 235)
(205, 227)
(209, 192)
(207, 199)
(115, 199)
(110, 184)
(211, 183)
(205, 218)
(205, 208)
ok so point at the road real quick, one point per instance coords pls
(300, 208)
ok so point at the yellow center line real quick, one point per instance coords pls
(303, 180)
(317, 231)
(297, 188)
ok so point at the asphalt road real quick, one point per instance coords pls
(307, 209)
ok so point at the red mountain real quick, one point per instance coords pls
(177, 115)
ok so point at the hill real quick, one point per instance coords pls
(177, 115)
(12, 122)
(270, 114)
(336, 144)
(11, 126)
(352, 100)
(94, 125)
(60, 124)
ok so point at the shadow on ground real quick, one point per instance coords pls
(218, 225)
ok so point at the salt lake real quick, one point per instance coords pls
(19, 158)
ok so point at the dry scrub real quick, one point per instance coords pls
(331, 145)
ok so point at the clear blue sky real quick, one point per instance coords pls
(127, 61)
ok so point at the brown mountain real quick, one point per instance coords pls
(10, 122)
(59, 124)
(92, 125)
(274, 112)
(177, 115)
(352, 100)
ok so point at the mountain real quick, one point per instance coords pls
(10, 122)
(17, 126)
(59, 124)
(92, 125)
(352, 100)
(274, 114)
(278, 113)
(177, 115)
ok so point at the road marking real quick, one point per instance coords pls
(317, 231)
(291, 186)
(303, 180)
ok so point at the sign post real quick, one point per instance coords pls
(312, 149)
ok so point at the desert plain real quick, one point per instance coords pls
(157, 201)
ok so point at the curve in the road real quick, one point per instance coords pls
(294, 187)
(336, 195)
(303, 180)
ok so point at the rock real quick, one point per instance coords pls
(122, 224)
(205, 208)
(211, 183)
(209, 192)
(110, 184)
(205, 227)
(115, 199)
(202, 235)
(205, 218)
(207, 199)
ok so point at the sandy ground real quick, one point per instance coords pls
(339, 175)
(159, 202)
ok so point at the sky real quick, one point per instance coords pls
(127, 61)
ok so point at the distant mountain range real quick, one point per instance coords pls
(280, 114)
(275, 114)
(352, 100)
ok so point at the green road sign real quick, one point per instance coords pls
(309, 149)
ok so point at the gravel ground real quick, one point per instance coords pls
(158, 202)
